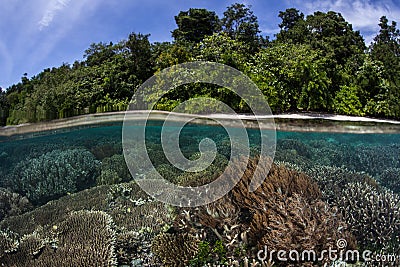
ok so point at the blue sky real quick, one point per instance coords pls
(39, 34)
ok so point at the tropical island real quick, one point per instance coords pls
(315, 63)
(73, 166)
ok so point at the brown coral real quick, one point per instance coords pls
(175, 249)
(284, 212)
(8, 243)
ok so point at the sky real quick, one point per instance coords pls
(40, 34)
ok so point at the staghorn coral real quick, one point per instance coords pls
(330, 153)
(168, 172)
(12, 204)
(84, 238)
(287, 202)
(175, 249)
(299, 147)
(373, 215)
(113, 171)
(376, 159)
(390, 178)
(332, 180)
(8, 243)
(53, 174)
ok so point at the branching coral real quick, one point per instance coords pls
(54, 174)
(284, 212)
(206, 176)
(376, 159)
(175, 250)
(374, 215)
(113, 171)
(293, 144)
(390, 178)
(8, 243)
(12, 204)
(130, 245)
(332, 180)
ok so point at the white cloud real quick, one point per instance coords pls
(32, 34)
(52, 8)
(364, 15)
(269, 30)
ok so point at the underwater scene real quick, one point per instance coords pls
(68, 198)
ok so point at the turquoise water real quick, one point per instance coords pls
(370, 153)
(50, 165)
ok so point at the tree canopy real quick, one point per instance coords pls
(316, 62)
(195, 24)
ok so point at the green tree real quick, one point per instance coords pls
(221, 48)
(331, 33)
(347, 102)
(98, 53)
(4, 107)
(240, 23)
(139, 55)
(293, 27)
(172, 55)
(291, 77)
(386, 48)
(290, 18)
(195, 24)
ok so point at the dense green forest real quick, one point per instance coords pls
(315, 63)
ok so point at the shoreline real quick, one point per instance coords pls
(303, 122)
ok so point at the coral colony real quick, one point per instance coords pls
(322, 201)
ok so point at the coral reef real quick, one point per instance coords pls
(132, 246)
(113, 171)
(206, 176)
(12, 204)
(376, 159)
(84, 238)
(106, 150)
(373, 215)
(390, 178)
(175, 250)
(332, 180)
(285, 212)
(370, 159)
(8, 243)
(53, 174)
(136, 219)
(299, 147)
(129, 206)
